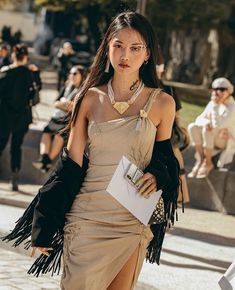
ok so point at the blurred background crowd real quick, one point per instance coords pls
(46, 50)
(195, 64)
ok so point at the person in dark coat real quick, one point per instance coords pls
(4, 55)
(64, 56)
(16, 94)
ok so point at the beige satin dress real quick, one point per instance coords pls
(100, 234)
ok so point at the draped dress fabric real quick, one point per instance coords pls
(100, 235)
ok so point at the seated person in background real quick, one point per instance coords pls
(214, 129)
(52, 142)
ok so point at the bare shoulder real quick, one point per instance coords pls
(164, 103)
(99, 90)
(92, 94)
(162, 108)
(92, 98)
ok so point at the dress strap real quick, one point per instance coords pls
(154, 93)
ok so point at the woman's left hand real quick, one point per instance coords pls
(43, 250)
(147, 185)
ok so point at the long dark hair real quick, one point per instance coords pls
(83, 72)
(97, 74)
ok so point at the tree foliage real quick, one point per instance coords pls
(5, 2)
(186, 15)
(97, 12)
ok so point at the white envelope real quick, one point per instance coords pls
(125, 193)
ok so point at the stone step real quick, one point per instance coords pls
(215, 192)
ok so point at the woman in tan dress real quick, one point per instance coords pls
(118, 113)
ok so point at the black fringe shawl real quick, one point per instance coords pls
(45, 217)
(165, 167)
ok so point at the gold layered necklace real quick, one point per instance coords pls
(121, 107)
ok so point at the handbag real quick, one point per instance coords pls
(158, 215)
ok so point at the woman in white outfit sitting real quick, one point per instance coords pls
(214, 129)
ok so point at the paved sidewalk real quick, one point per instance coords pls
(20, 198)
(13, 274)
(195, 253)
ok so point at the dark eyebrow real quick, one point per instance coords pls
(136, 43)
(139, 43)
(116, 40)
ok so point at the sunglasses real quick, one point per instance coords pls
(220, 89)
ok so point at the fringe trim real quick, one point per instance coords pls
(155, 246)
(51, 263)
(22, 232)
(22, 229)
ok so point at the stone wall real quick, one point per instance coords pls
(215, 192)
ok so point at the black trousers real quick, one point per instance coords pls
(62, 77)
(17, 138)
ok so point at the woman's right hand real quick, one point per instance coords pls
(43, 250)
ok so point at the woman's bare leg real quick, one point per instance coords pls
(199, 160)
(208, 156)
(199, 149)
(45, 143)
(124, 279)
